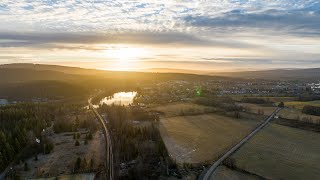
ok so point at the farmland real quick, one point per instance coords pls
(199, 138)
(278, 151)
(225, 173)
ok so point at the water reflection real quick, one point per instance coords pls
(120, 98)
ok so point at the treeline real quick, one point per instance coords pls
(308, 98)
(226, 103)
(256, 101)
(73, 124)
(139, 151)
(312, 110)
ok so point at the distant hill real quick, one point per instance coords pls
(169, 70)
(46, 67)
(42, 89)
(53, 72)
(284, 74)
(12, 75)
(49, 81)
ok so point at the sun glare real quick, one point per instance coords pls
(125, 58)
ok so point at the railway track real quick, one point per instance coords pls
(109, 147)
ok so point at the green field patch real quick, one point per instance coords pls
(225, 173)
(200, 138)
(280, 152)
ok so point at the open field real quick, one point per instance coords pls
(200, 138)
(301, 104)
(64, 155)
(225, 173)
(280, 152)
(178, 109)
(255, 108)
(296, 114)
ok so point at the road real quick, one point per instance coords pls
(208, 175)
(109, 153)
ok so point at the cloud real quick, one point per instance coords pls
(121, 15)
(273, 29)
(83, 40)
(304, 22)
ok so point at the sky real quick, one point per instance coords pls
(213, 35)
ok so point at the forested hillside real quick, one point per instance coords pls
(29, 81)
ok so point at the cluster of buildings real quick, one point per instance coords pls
(173, 91)
(315, 87)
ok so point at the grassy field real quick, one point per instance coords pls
(280, 152)
(64, 155)
(225, 173)
(178, 109)
(200, 138)
(301, 104)
(255, 108)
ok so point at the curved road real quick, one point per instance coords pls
(110, 169)
(211, 170)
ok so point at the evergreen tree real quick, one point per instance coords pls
(26, 167)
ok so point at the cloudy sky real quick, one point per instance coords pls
(220, 35)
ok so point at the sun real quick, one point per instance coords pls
(125, 57)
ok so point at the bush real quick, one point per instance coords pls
(48, 146)
(77, 143)
(281, 104)
(62, 125)
(237, 114)
(26, 167)
(312, 110)
(78, 135)
(230, 163)
(255, 101)
(89, 136)
(77, 164)
(91, 163)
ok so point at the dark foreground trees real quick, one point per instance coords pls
(139, 151)
(312, 110)
(21, 124)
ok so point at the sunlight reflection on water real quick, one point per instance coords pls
(120, 98)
